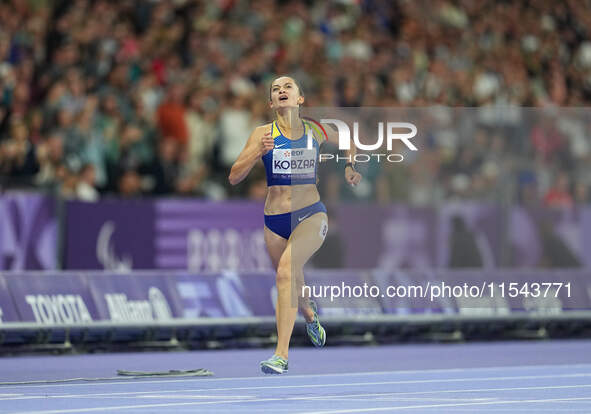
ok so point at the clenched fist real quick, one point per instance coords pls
(267, 143)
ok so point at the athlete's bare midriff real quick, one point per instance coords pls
(287, 198)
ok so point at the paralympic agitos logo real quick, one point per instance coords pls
(388, 131)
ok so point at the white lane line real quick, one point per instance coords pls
(339, 397)
(37, 397)
(549, 387)
(367, 384)
(197, 397)
(514, 410)
(275, 379)
(396, 394)
(138, 406)
(351, 397)
(357, 384)
(414, 407)
(393, 398)
(356, 410)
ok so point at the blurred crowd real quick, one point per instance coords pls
(158, 97)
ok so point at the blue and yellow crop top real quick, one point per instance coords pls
(291, 162)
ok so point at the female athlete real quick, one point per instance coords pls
(295, 219)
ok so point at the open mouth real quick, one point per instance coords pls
(283, 98)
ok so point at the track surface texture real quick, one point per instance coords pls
(500, 377)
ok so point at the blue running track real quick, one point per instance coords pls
(503, 377)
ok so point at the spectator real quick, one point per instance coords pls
(140, 61)
(69, 182)
(171, 116)
(50, 155)
(165, 170)
(85, 189)
(201, 131)
(559, 194)
(129, 184)
(546, 140)
(234, 120)
(17, 154)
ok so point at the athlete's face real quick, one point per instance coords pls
(285, 93)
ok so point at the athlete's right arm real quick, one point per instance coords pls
(259, 143)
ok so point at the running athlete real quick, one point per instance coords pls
(295, 219)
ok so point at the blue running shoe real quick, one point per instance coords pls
(274, 365)
(316, 332)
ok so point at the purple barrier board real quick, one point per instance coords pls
(133, 297)
(113, 235)
(463, 226)
(52, 298)
(8, 311)
(209, 237)
(342, 293)
(28, 232)
(400, 236)
(226, 295)
(550, 237)
(152, 297)
(484, 292)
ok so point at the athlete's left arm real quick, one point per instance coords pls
(351, 175)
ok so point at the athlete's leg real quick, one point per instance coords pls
(275, 246)
(305, 239)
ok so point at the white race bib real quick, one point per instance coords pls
(296, 161)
